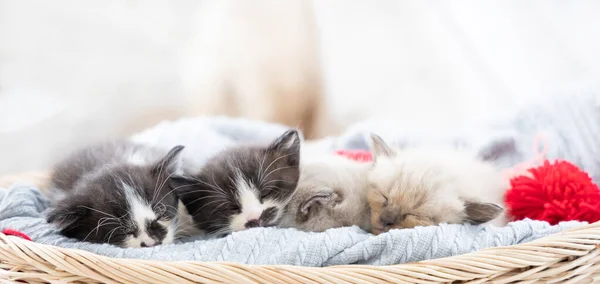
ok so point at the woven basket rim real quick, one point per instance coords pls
(541, 242)
(569, 256)
(498, 263)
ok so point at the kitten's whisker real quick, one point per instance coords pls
(220, 196)
(195, 212)
(277, 159)
(124, 215)
(165, 180)
(272, 187)
(276, 180)
(184, 226)
(101, 222)
(198, 190)
(269, 166)
(217, 208)
(183, 231)
(231, 180)
(131, 179)
(160, 207)
(186, 222)
(215, 183)
(217, 233)
(217, 189)
(204, 197)
(110, 234)
(288, 200)
(99, 211)
(261, 170)
(124, 221)
(281, 168)
(157, 188)
(172, 207)
(160, 172)
(161, 186)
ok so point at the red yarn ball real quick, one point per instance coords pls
(356, 155)
(554, 192)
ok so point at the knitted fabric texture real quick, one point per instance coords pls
(22, 207)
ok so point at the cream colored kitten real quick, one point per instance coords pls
(427, 186)
(331, 193)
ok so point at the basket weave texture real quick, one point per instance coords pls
(572, 256)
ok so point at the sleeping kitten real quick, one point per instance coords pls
(117, 193)
(423, 186)
(242, 187)
(331, 193)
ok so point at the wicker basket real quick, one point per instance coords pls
(572, 256)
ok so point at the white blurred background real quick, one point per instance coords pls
(74, 72)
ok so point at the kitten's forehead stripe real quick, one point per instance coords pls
(141, 213)
(251, 207)
(248, 196)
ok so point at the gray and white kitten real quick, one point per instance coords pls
(118, 193)
(331, 193)
(242, 187)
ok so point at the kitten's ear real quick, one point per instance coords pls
(312, 206)
(68, 213)
(182, 185)
(481, 212)
(288, 142)
(380, 148)
(170, 163)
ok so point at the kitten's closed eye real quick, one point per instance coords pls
(266, 193)
(130, 231)
(385, 200)
(376, 194)
(235, 208)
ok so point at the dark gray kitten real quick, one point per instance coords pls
(116, 192)
(243, 187)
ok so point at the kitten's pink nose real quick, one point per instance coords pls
(252, 223)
